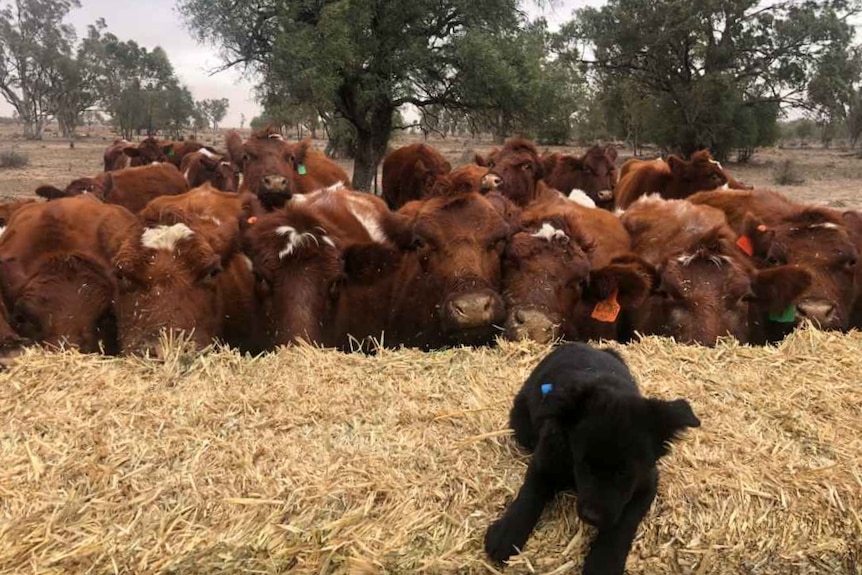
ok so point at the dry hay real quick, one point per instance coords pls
(309, 461)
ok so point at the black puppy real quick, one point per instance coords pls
(590, 430)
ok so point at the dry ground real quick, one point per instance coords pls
(832, 177)
(310, 461)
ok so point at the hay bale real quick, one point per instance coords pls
(309, 461)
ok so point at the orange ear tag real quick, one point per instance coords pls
(607, 310)
(744, 243)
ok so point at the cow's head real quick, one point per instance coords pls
(699, 174)
(457, 243)
(595, 173)
(149, 151)
(519, 168)
(207, 166)
(67, 299)
(271, 166)
(818, 240)
(168, 278)
(547, 273)
(98, 187)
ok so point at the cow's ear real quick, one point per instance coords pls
(853, 221)
(611, 153)
(668, 419)
(506, 208)
(132, 151)
(678, 166)
(632, 278)
(398, 226)
(50, 192)
(549, 162)
(301, 151)
(481, 160)
(234, 144)
(12, 278)
(566, 399)
(367, 263)
(778, 288)
(756, 237)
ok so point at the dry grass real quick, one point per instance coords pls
(309, 461)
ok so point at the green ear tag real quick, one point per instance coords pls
(301, 169)
(787, 316)
(171, 153)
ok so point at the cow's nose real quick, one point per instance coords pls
(605, 195)
(472, 310)
(819, 311)
(531, 324)
(490, 182)
(274, 182)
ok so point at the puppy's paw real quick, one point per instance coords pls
(504, 539)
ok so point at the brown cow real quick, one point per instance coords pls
(186, 274)
(56, 277)
(10, 207)
(10, 342)
(447, 289)
(275, 170)
(671, 179)
(148, 151)
(594, 173)
(205, 166)
(556, 277)
(783, 232)
(310, 258)
(115, 156)
(520, 172)
(705, 283)
(409, 173)
(131, 188)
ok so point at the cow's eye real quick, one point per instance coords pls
(849, 264)
(418, 243)
(211, 273)
(774, 261)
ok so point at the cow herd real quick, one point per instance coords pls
(264, 245)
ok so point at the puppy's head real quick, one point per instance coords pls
(614, 439)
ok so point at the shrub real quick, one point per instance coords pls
(13, 159)
(786, 173)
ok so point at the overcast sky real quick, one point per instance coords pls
(154, 23)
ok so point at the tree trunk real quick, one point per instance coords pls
(371, 145)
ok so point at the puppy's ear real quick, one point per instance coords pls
(564, 400)
(669, 419)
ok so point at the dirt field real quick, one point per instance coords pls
(832, 177)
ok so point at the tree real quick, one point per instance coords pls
(835, 92)
(707, 66)
(35, 52)
(213, 110)
(362, 59)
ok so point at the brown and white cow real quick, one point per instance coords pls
(131, 188)
(275, 169)
(781, 232)
(56, 277)
(705, 284)
(520, 172)
(410, 172)
(594, 173)
(674, 178)
(447, 290)
(205, 166)
(115, 156)
(325, 266)
(185, 273)
(560, 278)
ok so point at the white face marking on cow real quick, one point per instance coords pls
(715, 163)
(226, 164)
(208, 154)
(581, 198)
(165, 237)
(367, 217)
(2, 229)
(718, 260)
(212, 219)
(549, 233)
(186, 175)
(328, 241)
(295, 240)
(247, 261)
(275, 137)
(824, 226)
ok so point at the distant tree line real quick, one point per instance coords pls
(47, 74)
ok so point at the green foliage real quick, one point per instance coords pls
(13, 159)
(35, 48)
(835, 92)
(712, 74)
(211, 111)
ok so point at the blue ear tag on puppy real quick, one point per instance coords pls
(546, 388)
(301, 169)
